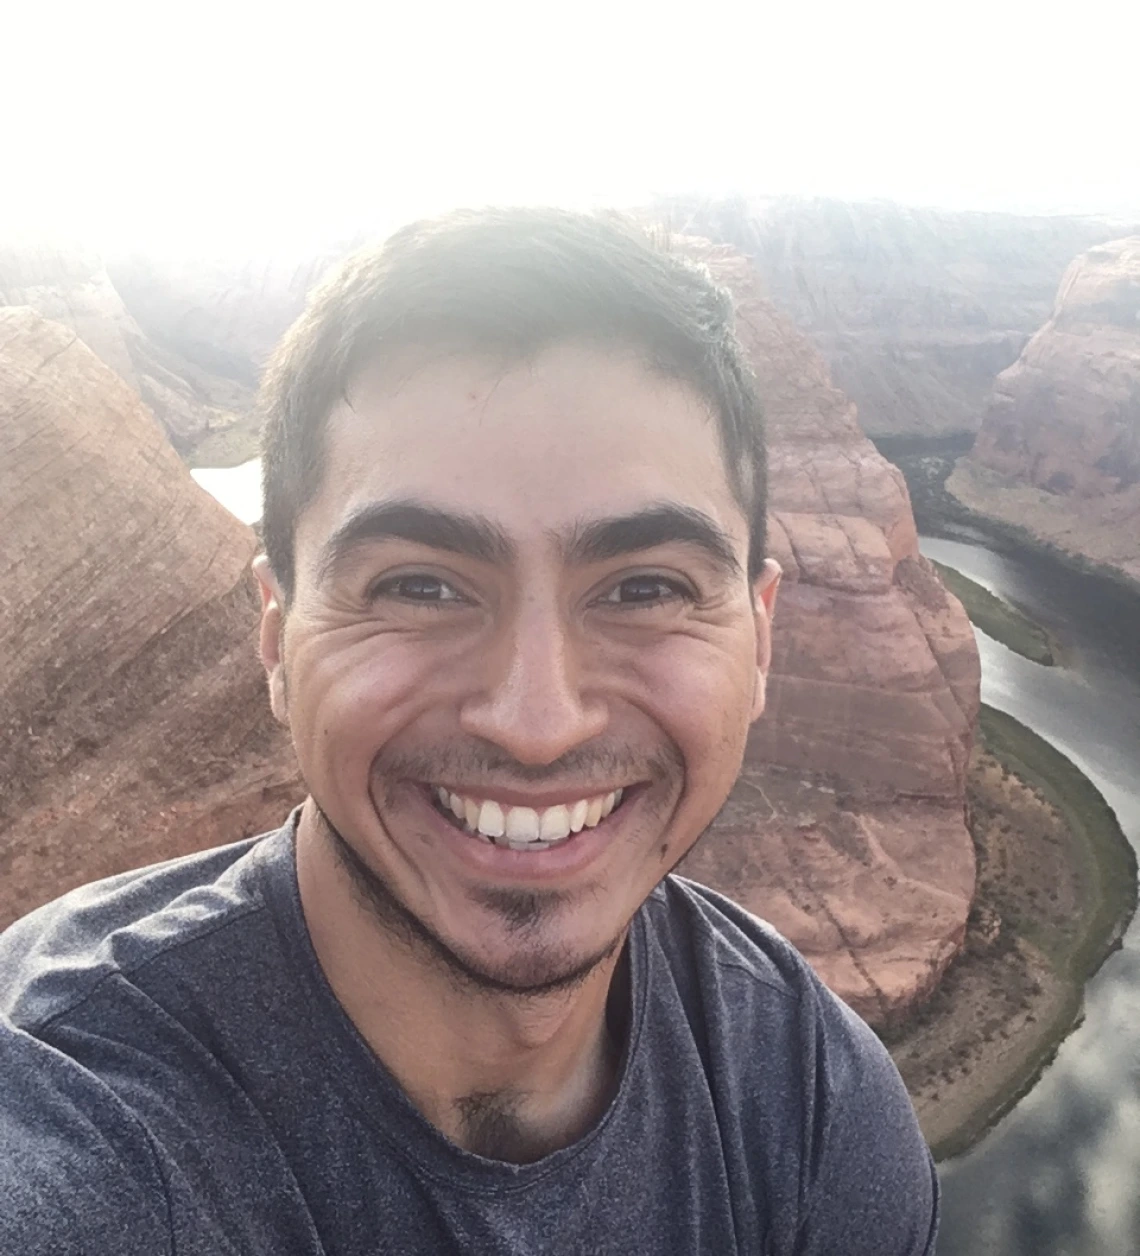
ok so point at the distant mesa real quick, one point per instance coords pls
(224, 317)
(916, 311)
(1058, 453)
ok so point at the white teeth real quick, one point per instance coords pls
(555, 824)
(526, 827)
(522, 824)
(491, 820)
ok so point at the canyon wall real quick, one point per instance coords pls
(224, 316)
(916, 311)
(73, 287)
(1058, 453)
(846, 829)
(133, 719)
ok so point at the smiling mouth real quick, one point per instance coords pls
(524, 828)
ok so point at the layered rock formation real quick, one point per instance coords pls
(915, 310)
(73, 287)
(223, 316)
(1059, 449)
(133, 719)
(847, 828)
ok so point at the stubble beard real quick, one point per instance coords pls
(540, 968)
(537, 972)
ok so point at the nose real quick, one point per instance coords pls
(530, 700)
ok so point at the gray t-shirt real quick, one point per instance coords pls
(178, 1079)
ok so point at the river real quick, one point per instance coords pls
(1060, 1175)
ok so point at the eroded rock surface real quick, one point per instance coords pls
(133, 719)
(916, 311)
(847, 828)
(73, 287)
(1059, 450)
(224, 316)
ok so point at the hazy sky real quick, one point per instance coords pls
(225, 126)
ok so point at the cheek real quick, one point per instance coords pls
(347, 699)
(701, 693)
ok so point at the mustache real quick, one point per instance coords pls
(484, 761)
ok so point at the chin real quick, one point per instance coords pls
(525, 941)
(530, 958)
(542, 970)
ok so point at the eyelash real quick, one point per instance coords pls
(390, 583)
(675, 587)
(386, 586)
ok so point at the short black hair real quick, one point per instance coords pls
(505, 283)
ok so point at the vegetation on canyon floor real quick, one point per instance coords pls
(999, 619)
(1056, 889)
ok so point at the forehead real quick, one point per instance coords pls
(537, 446)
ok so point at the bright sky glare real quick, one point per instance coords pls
(246, 127)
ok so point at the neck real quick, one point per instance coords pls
(509, 1076)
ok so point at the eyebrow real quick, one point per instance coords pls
(476, 537)
(662, 524)
(470, 535)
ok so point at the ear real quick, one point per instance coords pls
(764, 589)
(271, 638)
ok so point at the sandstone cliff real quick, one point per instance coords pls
(72, 287)
(847, 829)
(1059, 449)
(223, 316)
(915, 310)
(133, 719)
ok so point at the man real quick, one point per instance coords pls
(516, 615)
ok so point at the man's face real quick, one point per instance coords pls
(521, 591)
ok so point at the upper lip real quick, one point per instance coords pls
(538, 799)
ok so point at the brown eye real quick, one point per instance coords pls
(417, 587)
(646, 591)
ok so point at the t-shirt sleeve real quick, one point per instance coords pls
(77, 1174)
(871, 1188)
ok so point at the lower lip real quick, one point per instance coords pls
(501, 863)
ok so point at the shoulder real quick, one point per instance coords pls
(798, 1068)
(697, 927)
(78, 1176)
(98, 1049)
(58, 956)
